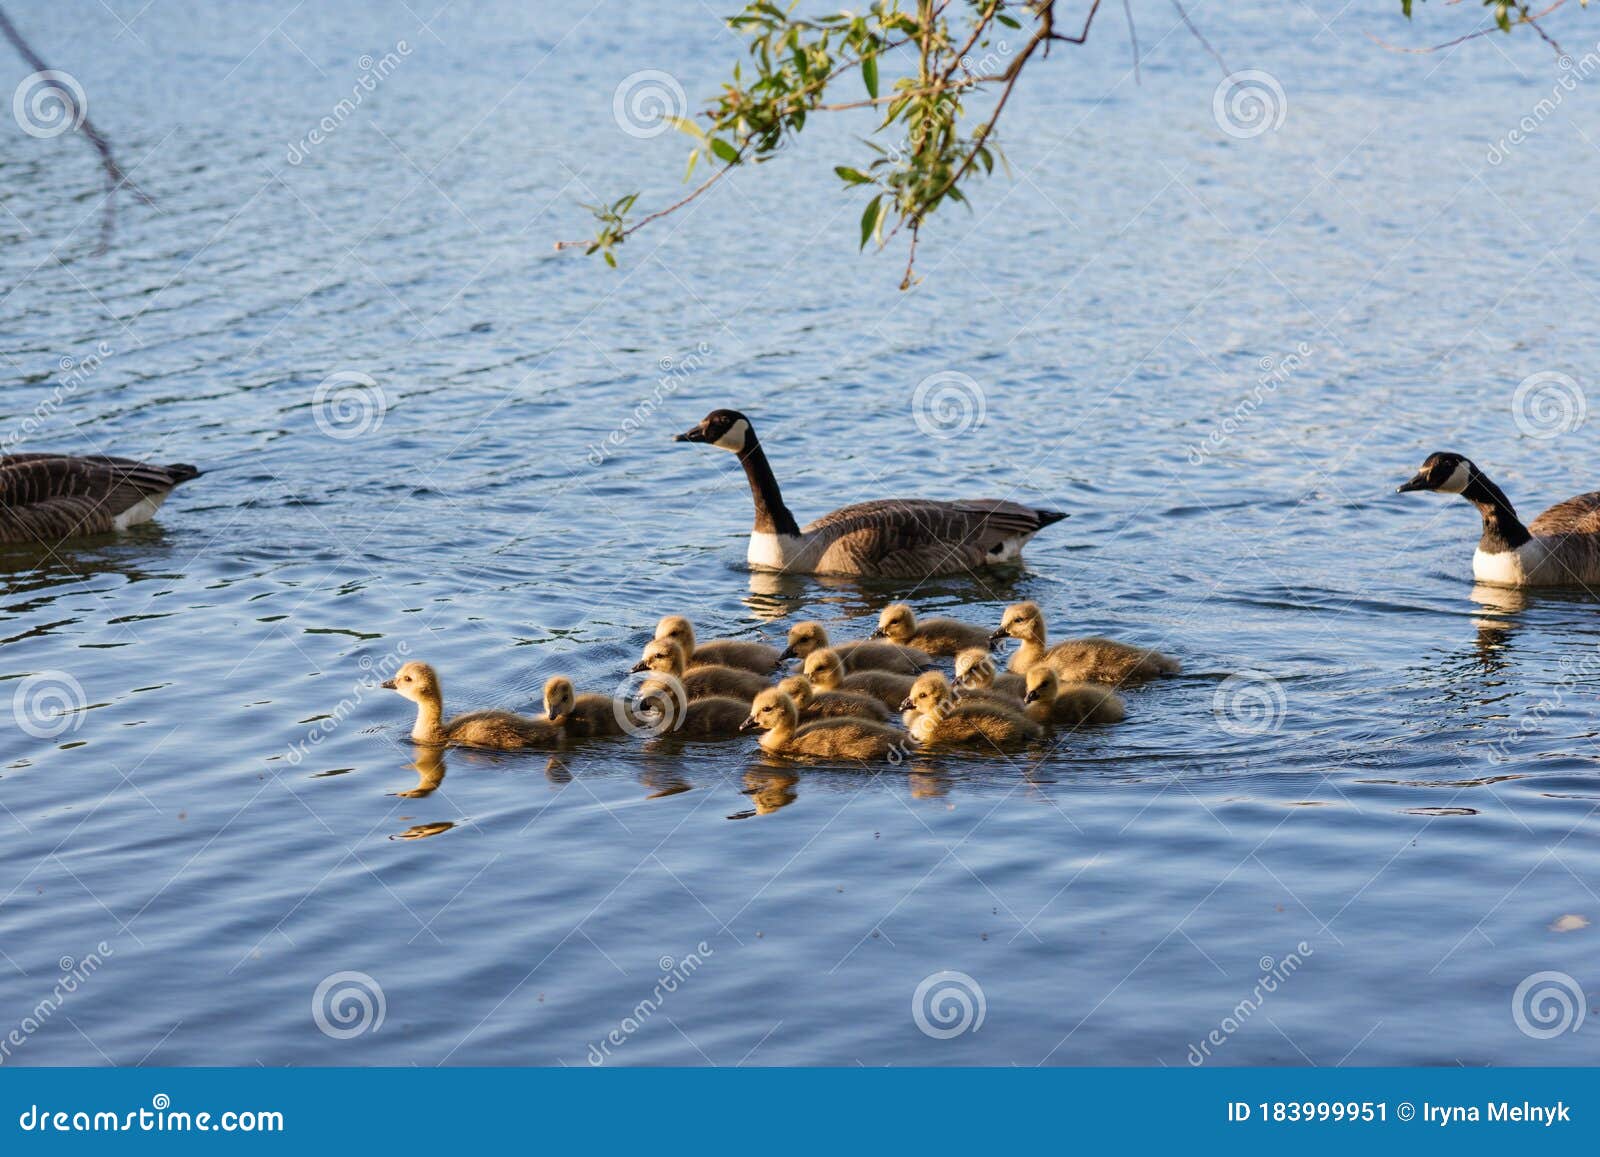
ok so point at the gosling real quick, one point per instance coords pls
(496, 730)
(779, 719)
(666, 657)
(934, 636)
(935, 716)
(586, 714)
(814, 704)
(806, 638)
(714, 717)
(1050, 701)
(1091, 660)
(747, 656)
(977, 678)
(826, 671)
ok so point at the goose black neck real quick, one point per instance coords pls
(1502, 530)
(772, 516)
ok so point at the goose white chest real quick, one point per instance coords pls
(1512, 568)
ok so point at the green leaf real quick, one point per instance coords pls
(725, 152)
(685, 125)
(611, 258)
(869, 219)
(869, 75)
(853, 176)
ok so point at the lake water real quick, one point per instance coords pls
(1396, 840)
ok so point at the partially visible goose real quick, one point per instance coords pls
(665, 657)
(814, 704)
(499, 730)
(889, 538)
(1049, 700)
(976, 675)
(1091, 660)
(48, 497)
(810, 636)
(935, 716)
(586, 714)
(779, 719)
(935, 636)
(826, 671)
(1559, 548)
(757, 657)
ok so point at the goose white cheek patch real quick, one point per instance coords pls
(1457, 482)
(734, 438)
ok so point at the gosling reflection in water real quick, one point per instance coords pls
(663, 782)
(423, 831)
(769, 789)
(430, 768)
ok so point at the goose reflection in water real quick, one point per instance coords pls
(430, 768)
(1496, 622)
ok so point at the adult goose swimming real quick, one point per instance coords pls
(1561, 547)
(890, 538)
(45, 498)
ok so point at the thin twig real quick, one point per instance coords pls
(1537, 16)
(1133, 35)
(115, 177)
(1200, 36)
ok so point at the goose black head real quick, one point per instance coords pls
(1443, 471)
(727, 429)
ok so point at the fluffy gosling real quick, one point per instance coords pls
(935, 636)
(586, 714)
(496, 730)
(826, 671)
(937, 717)
(976, 676)
(782, 734)
(747, 656)
(1092, 660)
(809, 637)
(1050, 701)
(666, 657)
(814, 704)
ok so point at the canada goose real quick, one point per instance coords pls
(976, 675)
(935, 636)
(814, 704)
(1049, 700)
(500, 730)
(860, 655)
(665, 657)
(1560, 547)
(586, 714)
(936, 716)
(1090, 660)
(757, 657)
(891, 538)
(48, 497)
(779, 719)
(826, 671)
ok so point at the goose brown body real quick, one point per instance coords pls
(45, 498)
